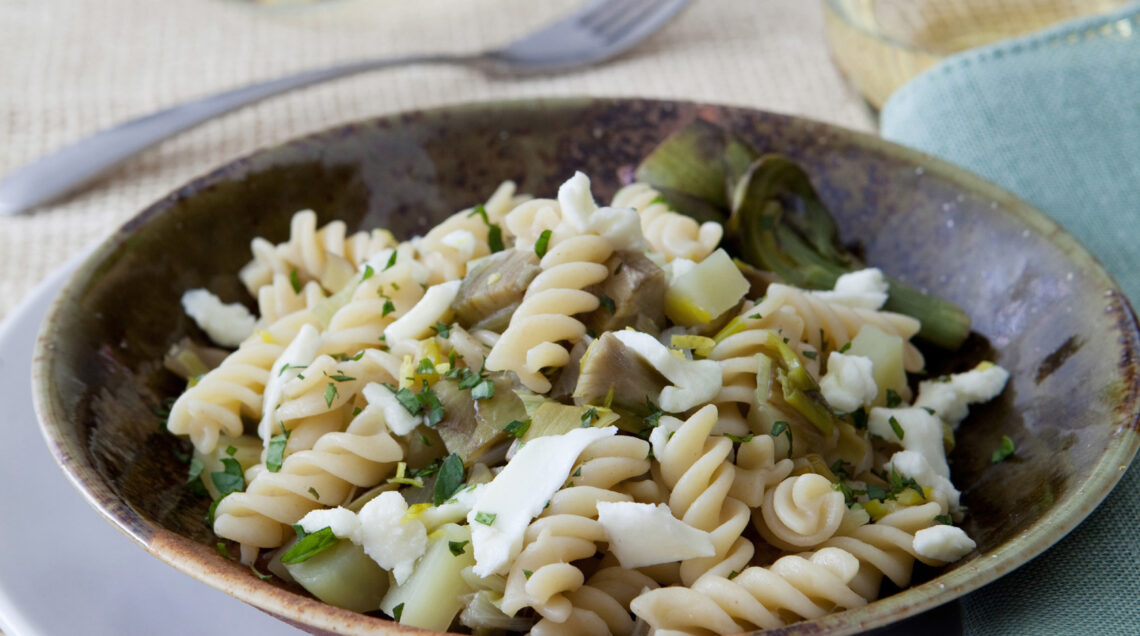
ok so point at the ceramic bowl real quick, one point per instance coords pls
(1041, 306)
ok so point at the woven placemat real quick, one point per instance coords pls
(87, 65)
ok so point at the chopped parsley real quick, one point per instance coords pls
(443, 330)
(450, 479)
(859, 419)
(896, 427)
(457, 547)
(740, 440)
(425, 402)
(391, 261)
(485, 390)
(368, 271)
(781, 428)
(388, 307)
(608, 303)
(485, 518)
(542, 243)
(230, 479)
(651, 421)
(516, 429)
(309, 545)
(589, 417)
(845, 347)
(222, 550)
(330, 393)
(275, 453)
(945, 520)
(1004, 451)
(295, 281)
(316, 495)
(425, 367)
(397, 612)
(893, 399)
(341, 377)
(494, 232)
(527, 573)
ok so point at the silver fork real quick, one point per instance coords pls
(597, 31)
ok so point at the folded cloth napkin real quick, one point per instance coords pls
(1053, 117)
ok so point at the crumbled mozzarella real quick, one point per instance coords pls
(915, 466)
(951, 396)
(646, 534)
(382, 528)
(922, 433)
(622, 226)
(227, 325)
(849, 382)
(519, 493)
(432, 308)
(292, 361)
(396, 417)
(392, 540)
(694, 381)
(343, 522)
(865, 288)
(463, 241)
(943, 543)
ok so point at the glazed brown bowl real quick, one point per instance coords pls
(1041, 306)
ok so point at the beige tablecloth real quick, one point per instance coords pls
(72, 67)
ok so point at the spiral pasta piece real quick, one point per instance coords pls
(360, 456)
(757, 470)
(234, 388)
(309, 251)
(821, 320)
(532, 340)
(542, 575)
(697, 469)
(669, 233)
(794, 586)
(886, 547)
(464, 236)
(279, 298)
(801, 512)
(601, 605)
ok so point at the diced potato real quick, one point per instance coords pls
(343, 576)
(886, 353)
(709, 289)
(430, 596)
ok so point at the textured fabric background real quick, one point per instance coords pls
(1055, 119)
(71, 67)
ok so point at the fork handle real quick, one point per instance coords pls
(80, 163)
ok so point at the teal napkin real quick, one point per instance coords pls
(1053, 117)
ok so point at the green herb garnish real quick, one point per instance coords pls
(230, 479)
(893, 399)
(542, 243)
(485, 518)
(781, 428)
(443, 330)
(608, 303)
(309, 546)
(485, 390)
(896, 427)
(275, 453)
(368, 272)
(516, 429)
(391, 261)
(450, 479)
(295, 281)
(397, 612)
(457, 547)
(1004, 451)
(330, 393)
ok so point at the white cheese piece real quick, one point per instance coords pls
(922, 433)
(943, 543)
(519, 493)
(951, 396)
(462, 241)
(849, 382)
(392, 540)
(576, 202)
(914, 465)
(383, 528)
(396, 417)
(865, 288)
(297, 355)
(694, 381)
(645, 534)
(432, 308)
(343, 522)
(227, 325)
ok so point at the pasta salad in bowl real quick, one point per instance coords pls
(714, 379)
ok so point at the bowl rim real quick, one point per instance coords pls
(302, 611)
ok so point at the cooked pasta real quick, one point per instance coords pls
(544, 415)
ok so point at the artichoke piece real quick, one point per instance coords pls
(343, 576)
(800, 390)
(775, 219)
(494, 287)
(553, 418)
(635, 290)
(614, 375)
(470, 428)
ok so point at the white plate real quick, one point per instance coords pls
(63, 568)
